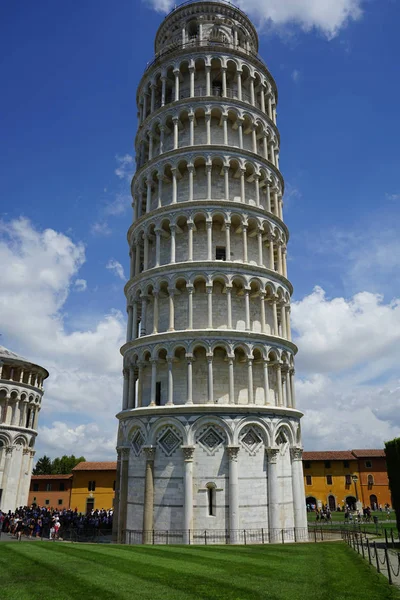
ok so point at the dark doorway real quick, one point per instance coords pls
(89, 505)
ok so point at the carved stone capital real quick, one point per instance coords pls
(233, 452)
(296, 453)
(125, 453)
(272, 454)
(9, 449)
(26, 451)
(150, 452)
(188, 452)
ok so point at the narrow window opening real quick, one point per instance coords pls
(211, 500)
(158, 393)
(329, 479)
(220, 253)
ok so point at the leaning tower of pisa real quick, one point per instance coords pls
(209, 434)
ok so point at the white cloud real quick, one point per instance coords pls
(349, 350)
(39, 269)
(296, 75)
(117, 268)
(126, 167)
(327, 16)
(80, 285)
(119, 205)
(100, 228)
(83, 440)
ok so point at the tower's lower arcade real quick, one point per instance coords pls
(221, 471)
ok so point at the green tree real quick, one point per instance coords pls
(58, 466)
(65, 464)
(43, 466)
(392, 450)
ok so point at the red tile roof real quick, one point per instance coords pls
(369, 453)
(329, 455)
(37, 477)
(96, 466)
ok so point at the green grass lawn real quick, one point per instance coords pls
(58, 571)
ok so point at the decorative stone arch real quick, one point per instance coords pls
(257, 423)
(164, 422)
(199, 428)
(284, 426)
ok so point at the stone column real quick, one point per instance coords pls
(208, 80)
(283, 321)
(148, 196)
(130, 320)
(116, 533)
(171, 326)
(292, 388)
(148, 509)
(226, 182)
(287, 388)
(250, 380)
(155, 311)
(125, 393)
(245, 253)
(153, 382)
(279, 383)
(6, 471)
(141, 366)
(240, 130)
(190, 291)
(170, 401)
(260, 247)
(299, 509)
(134, 320)
(132, 387)
(271, 257)
(268, 190)
(209, 181)
(274, 523)
(275, 316)
(247, 309)
(190, 241)
(229, 305)
(174, 186)
(262, 311)
(176, 73)
(143, 318)
(188, 452)
(209, 239)
(228, 240)
(176, 132)
(158, 247)
(224, 88)
(252, 94)
(208, 128)
(191, 72)
(231, 379)
(209, 289)
(242, 186)
(145, 252)
(162, 137)
(189, 358)
(190, 169)
(173, 245)
(210, 379)
(266, 382)
(234, 520)
(239, 84)
(163, 89)
(225, 126)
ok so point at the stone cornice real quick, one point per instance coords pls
(196, 204)
(194, 52)
(211, 410)
(207, 149)
(17, 384)
(15, 428)
(188, 102)
(221, 266)
(210, 334)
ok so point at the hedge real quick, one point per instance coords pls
(392, 450)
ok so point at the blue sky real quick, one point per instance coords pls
(68, 120)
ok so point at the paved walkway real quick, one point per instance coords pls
(379, 558)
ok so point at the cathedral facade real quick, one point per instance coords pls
(209, 433)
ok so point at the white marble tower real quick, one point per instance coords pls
(21, 391)
(209, 434)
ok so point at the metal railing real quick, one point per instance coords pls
(377, 553)
(225, 536)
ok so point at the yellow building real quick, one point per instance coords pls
(339, 478)
(93, 486)
(328, 479)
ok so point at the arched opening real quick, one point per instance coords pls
(373, 502)
(351, 502)
(311, 503)
(332, 503)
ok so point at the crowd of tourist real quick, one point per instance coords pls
(36, 521)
